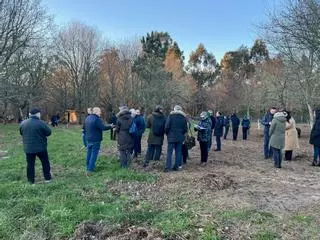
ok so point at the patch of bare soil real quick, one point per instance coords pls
(100, 231)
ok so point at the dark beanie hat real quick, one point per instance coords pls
(35, 111)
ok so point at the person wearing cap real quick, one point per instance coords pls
(176, 127)
(218, 130)
(156, 123)
(34, 134)
(141, 127)
(93, 129)
(125, 139)
(315, 139)
(204, 131)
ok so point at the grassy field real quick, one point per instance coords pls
(179, 208)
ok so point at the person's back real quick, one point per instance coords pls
(235, 121)
(315, 140)
(218, 130)
(246, 123)
(93, 128)
(34, 134)
(176, 127)
(156, 123)
(125, 140)
(277, 131)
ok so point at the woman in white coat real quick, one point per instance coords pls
(291, 137)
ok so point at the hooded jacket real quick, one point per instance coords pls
(125, 139)
(315, 132)
(277, 130)
(176, 127)
(160, 119)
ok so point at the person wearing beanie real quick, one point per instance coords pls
(315, 139)
(34, 134)
(204, 131)
(277, 136)
(156, 123)
(218, 130)
(176, 127)
(93, 129)
(125, 139)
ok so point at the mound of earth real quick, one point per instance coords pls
(216, 182)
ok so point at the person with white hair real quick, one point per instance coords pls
(34, 134)
(141, 127)
(93, 129)
(176, 127)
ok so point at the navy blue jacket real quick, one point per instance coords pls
(176, 127)
(266, 120)
(34, 135)
(213, 122)
(246, 123)
(235, 121)
(94, 127)
(226, 122)
(315, 132)
(140, 123)
(218, 130)
(113, 119)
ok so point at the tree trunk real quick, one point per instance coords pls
(310, 115)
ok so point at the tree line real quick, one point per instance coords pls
(74, 67)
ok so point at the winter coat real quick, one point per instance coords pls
(235, 121)
(291, 137)
(213, 122)
(245, 123)
(113, 119)
(34, 134)
(93, 128)
(176, 127)
(226, 122)
(315, 132)
(160, 118)
(218, 130)
(125, 139)
(277, 131)
(140, 123)
(266, 120)
(204, 135)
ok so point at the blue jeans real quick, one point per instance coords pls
(92, 155)
(177, 146)
(153, 152)
(125, 158)
(267, 149)
(277, 157)
(137, 145)
(316, 155)
(218, 139)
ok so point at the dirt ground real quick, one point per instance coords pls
(238, 177)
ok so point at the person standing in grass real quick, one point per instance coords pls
(315, 140)
(266, 122)
(218, 130)
(235, 126)
(245, 127)
(204, 131)
(226, 126)
(291, 138)
(34, 134)
(125, 139)
(93, 129)
(141, 127)
(277, 136)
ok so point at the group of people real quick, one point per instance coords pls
(129, 125)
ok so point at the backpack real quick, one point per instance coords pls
(158, 127)
(133, 130)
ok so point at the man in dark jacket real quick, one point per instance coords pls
(212, 124)
(93, 130)
(315, 140)
(113, 120)
(226, 126)
(218, 130)
(34, 134)
(245, 127)
(125, 139)
(141, 127)
(176, 127)
(156, 123)
(266, 122)
(235, 126)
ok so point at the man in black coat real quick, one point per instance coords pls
(34, 134)
(235, 126)
(218, 130)
(176, 127)
(226, 126)
(315, 140)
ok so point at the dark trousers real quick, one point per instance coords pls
(153, 153)
(177, 146)
(204, 151)
(137, 145)
(218, 140)
(112, 134)
(288, 155)
(267, 149)
(209, 145)
(93, 149)
(185, 153)
(316, 155)
(125, 158)
(226, 131)
(235, 133)
(31, 158)
(277, 157)
(245, 133)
